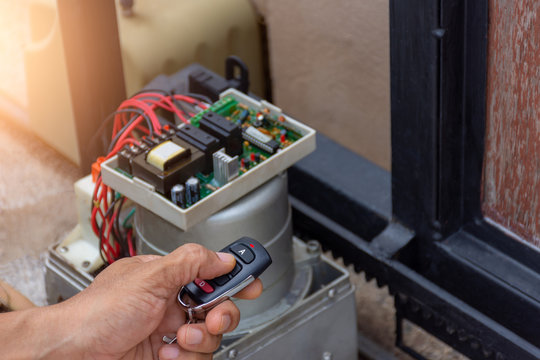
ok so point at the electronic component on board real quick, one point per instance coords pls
(126, 156)
(243, 115)
(203, 141)
(225, 167)
(226, 131)
(260, 140)
(166, 154)
(178, 159)
(151, 141)
(193, 190)
(178, 195)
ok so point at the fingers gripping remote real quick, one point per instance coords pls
(251, 261)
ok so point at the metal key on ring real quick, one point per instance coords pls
(168, 340)
(252, 260)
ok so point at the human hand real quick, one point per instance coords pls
(131, 305)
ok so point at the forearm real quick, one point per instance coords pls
(39, 333)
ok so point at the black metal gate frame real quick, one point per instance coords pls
(451, 272)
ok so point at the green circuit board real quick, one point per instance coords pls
(244, 116)
(264, 134)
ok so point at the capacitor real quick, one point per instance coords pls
(257, 157)
(258, 120)
(193, 190)
(243, 115)
(178, 195)
(282, 138)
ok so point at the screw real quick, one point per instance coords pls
(313, 247)
(63, 249)
(327, 355)
(331, 293)
(233, 353)
(86, 263)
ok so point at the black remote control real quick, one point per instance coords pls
(251, 261)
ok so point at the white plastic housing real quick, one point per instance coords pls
(144, 194)
(81, 246)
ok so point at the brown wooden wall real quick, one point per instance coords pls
(511, 193)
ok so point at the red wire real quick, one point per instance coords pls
(124, 135)
(102, 195)
(148, 110)
(94, 222)
(190, 100)
(165, 103)
(131, 249)
(116, 250)
(143, 129)
(110, 259)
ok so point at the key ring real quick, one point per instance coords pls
(190, 311)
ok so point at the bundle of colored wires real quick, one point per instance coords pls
(134, 119)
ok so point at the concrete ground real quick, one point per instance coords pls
(37, 204)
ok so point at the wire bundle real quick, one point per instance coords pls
(134, 119)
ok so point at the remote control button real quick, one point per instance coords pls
(236, 269)
(243, 252)
(204, 286)
(222, 280)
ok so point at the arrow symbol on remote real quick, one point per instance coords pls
(241, 252)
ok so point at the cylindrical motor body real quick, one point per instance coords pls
(264, 214)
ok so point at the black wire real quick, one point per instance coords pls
(104, 124)
(121, 240)
(199, 97)
(133, 118)
(164, 92)
(177, 102)
(171, 93)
